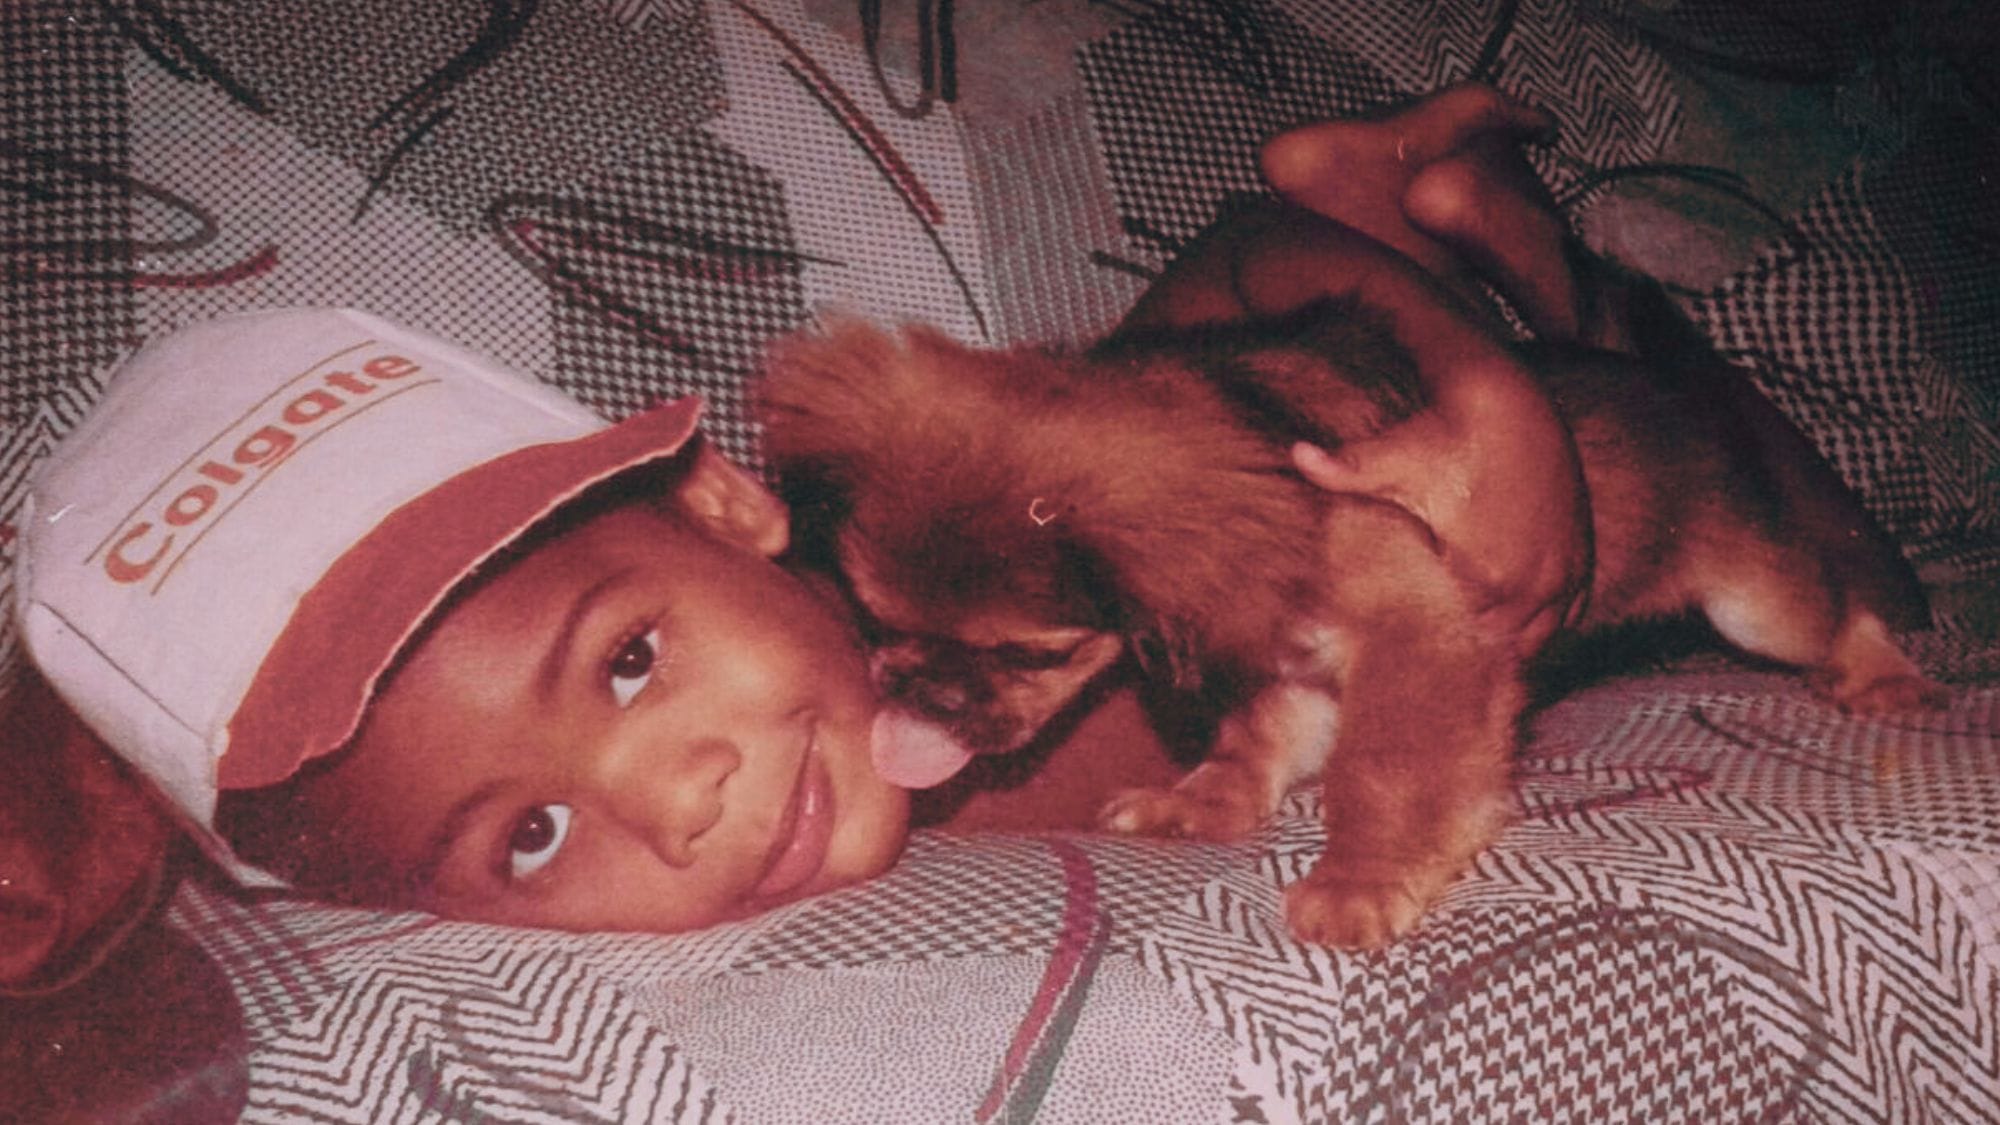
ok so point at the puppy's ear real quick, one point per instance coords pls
(826, 398)
(1094, 588)
(731, 502)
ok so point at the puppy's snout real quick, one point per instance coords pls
(922, 681)
(938, 701)
(933, 698)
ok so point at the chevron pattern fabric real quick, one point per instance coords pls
(1721, 901)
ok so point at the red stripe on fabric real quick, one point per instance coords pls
(1082, 924)
(873, 141)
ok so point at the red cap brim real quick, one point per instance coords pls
(312, 687)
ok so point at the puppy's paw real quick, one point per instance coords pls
(1326, 908)
(1223, 799)
(1881, 695)
(1181, 813)
(1868, 673)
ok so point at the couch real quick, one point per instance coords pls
(1722, 900)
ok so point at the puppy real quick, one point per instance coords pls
(1016, 526)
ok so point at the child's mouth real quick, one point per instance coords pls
(798, 848)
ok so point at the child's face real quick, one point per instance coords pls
(644, 724)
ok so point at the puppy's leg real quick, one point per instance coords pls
(1867, 673)
(1284, 734)
(1419, 783)
(1429, 707)
(1783, 604)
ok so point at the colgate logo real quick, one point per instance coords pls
(208, 484)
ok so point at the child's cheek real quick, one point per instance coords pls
(872, 831)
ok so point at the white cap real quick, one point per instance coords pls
(220, 561)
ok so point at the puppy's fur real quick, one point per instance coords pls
(1019, 524)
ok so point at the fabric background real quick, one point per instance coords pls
(1723, 902)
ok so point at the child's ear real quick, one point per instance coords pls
(731, 502)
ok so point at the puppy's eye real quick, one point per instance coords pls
(536, 838)
(631, 667)
(1023, 658)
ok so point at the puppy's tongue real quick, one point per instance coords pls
(914, 754)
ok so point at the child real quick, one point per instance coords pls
(629, 719)
(395, 626)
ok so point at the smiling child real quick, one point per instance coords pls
(568, 685)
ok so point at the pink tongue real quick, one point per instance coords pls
(914, 754)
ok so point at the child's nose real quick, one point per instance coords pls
(671, 800)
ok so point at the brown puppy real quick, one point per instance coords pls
(1016, 525)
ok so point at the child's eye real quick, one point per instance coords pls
(536, 839)
(632, 666)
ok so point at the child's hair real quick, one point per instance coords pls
(277, 830)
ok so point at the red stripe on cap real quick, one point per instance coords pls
(309, 693)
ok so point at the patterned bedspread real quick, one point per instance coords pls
(1722, 902)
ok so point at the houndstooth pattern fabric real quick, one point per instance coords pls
(1721, 901)
(633, 199)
